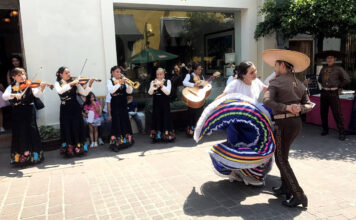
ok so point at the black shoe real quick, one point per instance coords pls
(324, 133)
(294, 202)
(342, 137)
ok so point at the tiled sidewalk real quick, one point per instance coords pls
(176, 181)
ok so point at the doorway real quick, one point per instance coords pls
(10, 45)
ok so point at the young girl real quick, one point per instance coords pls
(160, 88)
(121, 132)
(71, 119)
(92, 106)
(26, 147)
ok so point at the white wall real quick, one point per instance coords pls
(65, 32)
(62, 33)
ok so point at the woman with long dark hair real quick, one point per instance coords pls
(192, 79)
(246, 83)
(26, 147)
(15, 62)
(71, 119)
(121, 132)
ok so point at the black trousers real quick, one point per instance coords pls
(194, 115)
(286, 130)
(331, 99)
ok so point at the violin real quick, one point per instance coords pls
(84, 80)
(31, 84)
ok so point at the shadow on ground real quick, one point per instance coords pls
(142, 146)
(225, 199)
(310, 144)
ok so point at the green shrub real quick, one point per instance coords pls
(49, 133)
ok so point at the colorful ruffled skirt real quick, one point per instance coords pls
(250, 144)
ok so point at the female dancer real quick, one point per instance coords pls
(71, 119)
(192, 80)
(26, 147)
(247, 154)
(121, 132)
(160, 88)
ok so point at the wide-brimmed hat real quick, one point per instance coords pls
(326, 53)
(299, 60)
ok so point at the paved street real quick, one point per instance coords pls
(176, 181)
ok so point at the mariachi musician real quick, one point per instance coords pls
(193, 79)
(121, 132)
(70, 117)
(26, 147)
(332, 79)
(160, 89)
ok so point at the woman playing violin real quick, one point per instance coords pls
(121, 132)
(26, 147)
(71, 120)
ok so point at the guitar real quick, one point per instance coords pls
(194, 97)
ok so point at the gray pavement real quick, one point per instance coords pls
(176, 181)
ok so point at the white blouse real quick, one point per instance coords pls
(253, 90)
(112, 88)
(7, 94)
(66, 87)
(165, 89)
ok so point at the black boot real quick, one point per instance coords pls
(294, 202)
(342, 137)
(282, 190)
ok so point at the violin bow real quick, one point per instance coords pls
(81, 71)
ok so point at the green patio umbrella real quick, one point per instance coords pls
(151, 55)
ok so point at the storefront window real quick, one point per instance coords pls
(148, 39)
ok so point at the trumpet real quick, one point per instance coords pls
(157, 83)
(134, 85)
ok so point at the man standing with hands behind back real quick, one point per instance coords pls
(288, 98)
(332, 79)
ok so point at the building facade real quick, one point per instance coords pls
(65, 33)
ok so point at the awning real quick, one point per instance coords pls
(175, 27)
(125, 27)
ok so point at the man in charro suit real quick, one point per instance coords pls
(288, 98)
(332, 79)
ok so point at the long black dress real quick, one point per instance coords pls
(71, 124)
(120, 126)
(26, 146)
(162, 129)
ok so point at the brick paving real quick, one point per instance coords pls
(176, 181)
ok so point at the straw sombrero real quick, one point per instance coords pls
(300, 61)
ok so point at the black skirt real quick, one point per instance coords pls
(120, 125)
(72, 128)
(26, 146)
(162, 128)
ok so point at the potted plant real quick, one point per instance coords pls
(50, 138)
